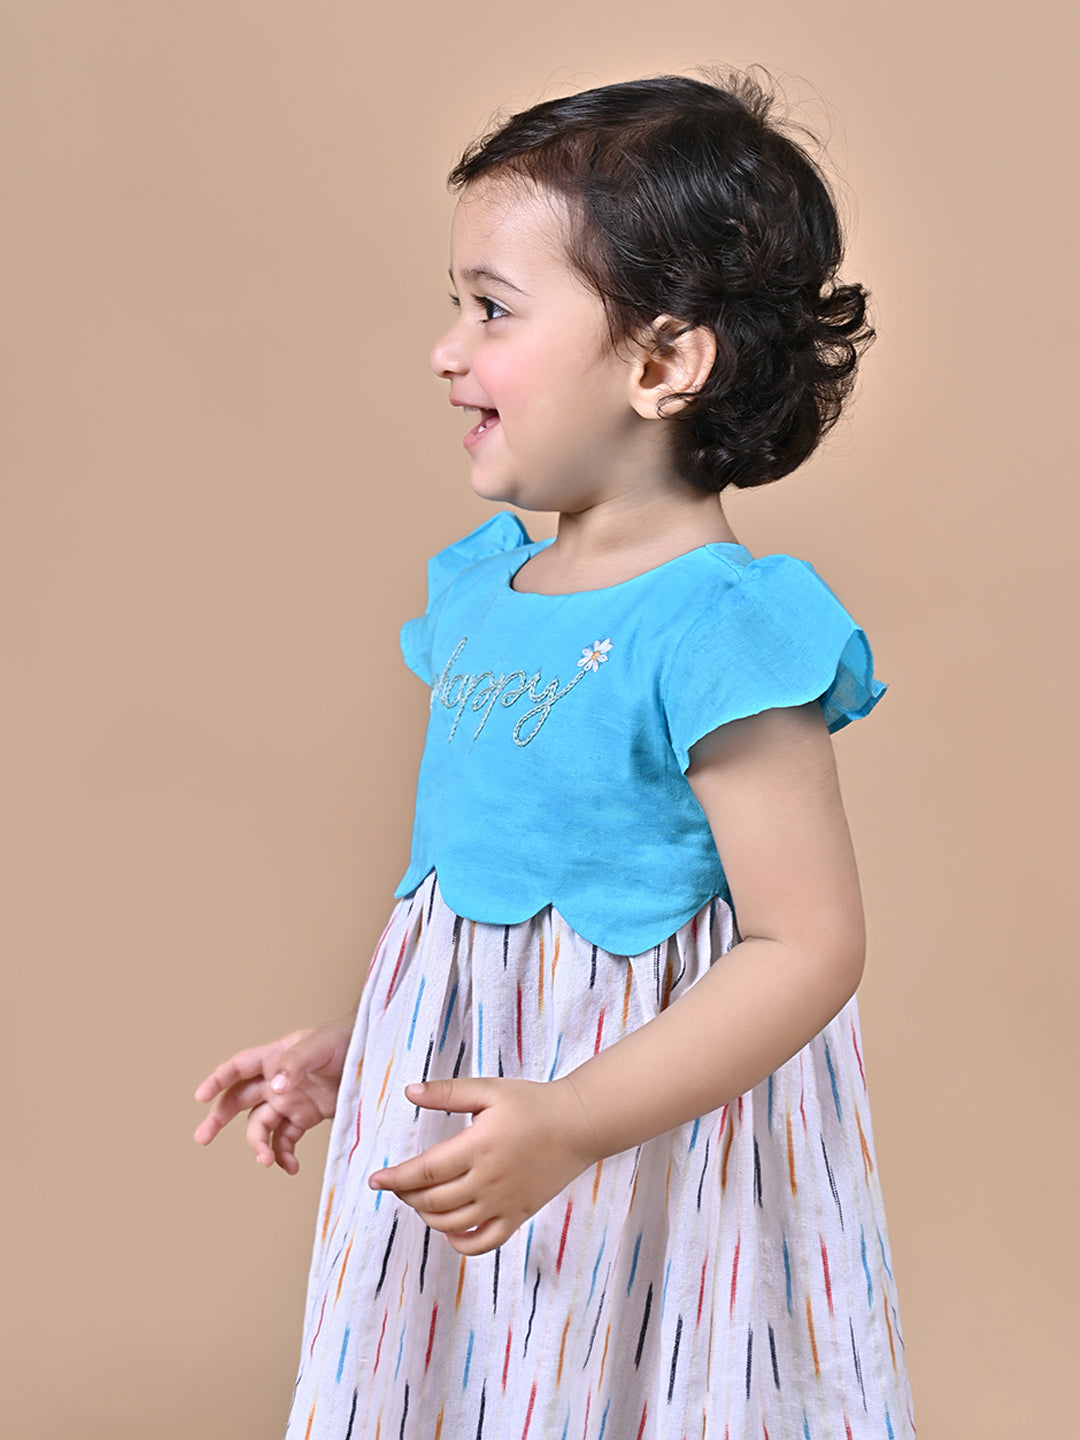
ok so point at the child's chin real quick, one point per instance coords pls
(491, 487)
(503, 490)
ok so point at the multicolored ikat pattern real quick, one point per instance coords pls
(729, 1279)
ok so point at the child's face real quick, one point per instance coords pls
(531, 346)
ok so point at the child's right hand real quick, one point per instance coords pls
(289, 1086)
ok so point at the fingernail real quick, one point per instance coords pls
(279, 1081)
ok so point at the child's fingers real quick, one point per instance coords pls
(212, 1125)
(446, 1160)
(488, 1236)
(238, 1097)
(453, 1221)
(440, 1199)
(205, 1131)
(262, 1122)
(244, 1065)
(309, 1052)
(284, 1143)
(307, 1106)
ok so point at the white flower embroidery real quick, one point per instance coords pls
(592, 659)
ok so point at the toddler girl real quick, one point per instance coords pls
(601, 1161)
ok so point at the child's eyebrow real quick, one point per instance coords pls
(482, 272)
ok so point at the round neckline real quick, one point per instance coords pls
(536, 546)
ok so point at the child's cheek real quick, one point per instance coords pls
(507, 377)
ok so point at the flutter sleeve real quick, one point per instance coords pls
(503, 531)
(776, 636)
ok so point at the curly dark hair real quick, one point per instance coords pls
(685, 198)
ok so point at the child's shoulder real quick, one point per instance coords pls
(768, 632)
(728, 586)
(498, 535)
(772, 607)
(451, 572)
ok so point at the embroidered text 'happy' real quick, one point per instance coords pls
(485, 689)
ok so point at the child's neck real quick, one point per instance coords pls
(612, 542)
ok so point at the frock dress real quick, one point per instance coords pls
(731, 1278)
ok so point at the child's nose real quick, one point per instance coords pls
(446, 356)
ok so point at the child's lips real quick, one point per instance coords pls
(488, 421)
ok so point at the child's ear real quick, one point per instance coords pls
(673, 358)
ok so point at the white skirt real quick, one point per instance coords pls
(729, 1279)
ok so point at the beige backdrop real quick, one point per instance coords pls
(225, 237)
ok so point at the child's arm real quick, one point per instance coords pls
(769, 788)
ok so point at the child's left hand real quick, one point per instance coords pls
(529, 1139)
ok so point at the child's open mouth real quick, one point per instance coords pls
(488, 420)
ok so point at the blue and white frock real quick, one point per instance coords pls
(728, 1279)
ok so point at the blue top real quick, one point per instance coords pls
(554, 765)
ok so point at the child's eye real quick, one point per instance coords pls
(486, 302)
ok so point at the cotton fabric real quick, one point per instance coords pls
(729, 1280)
(560, 725)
